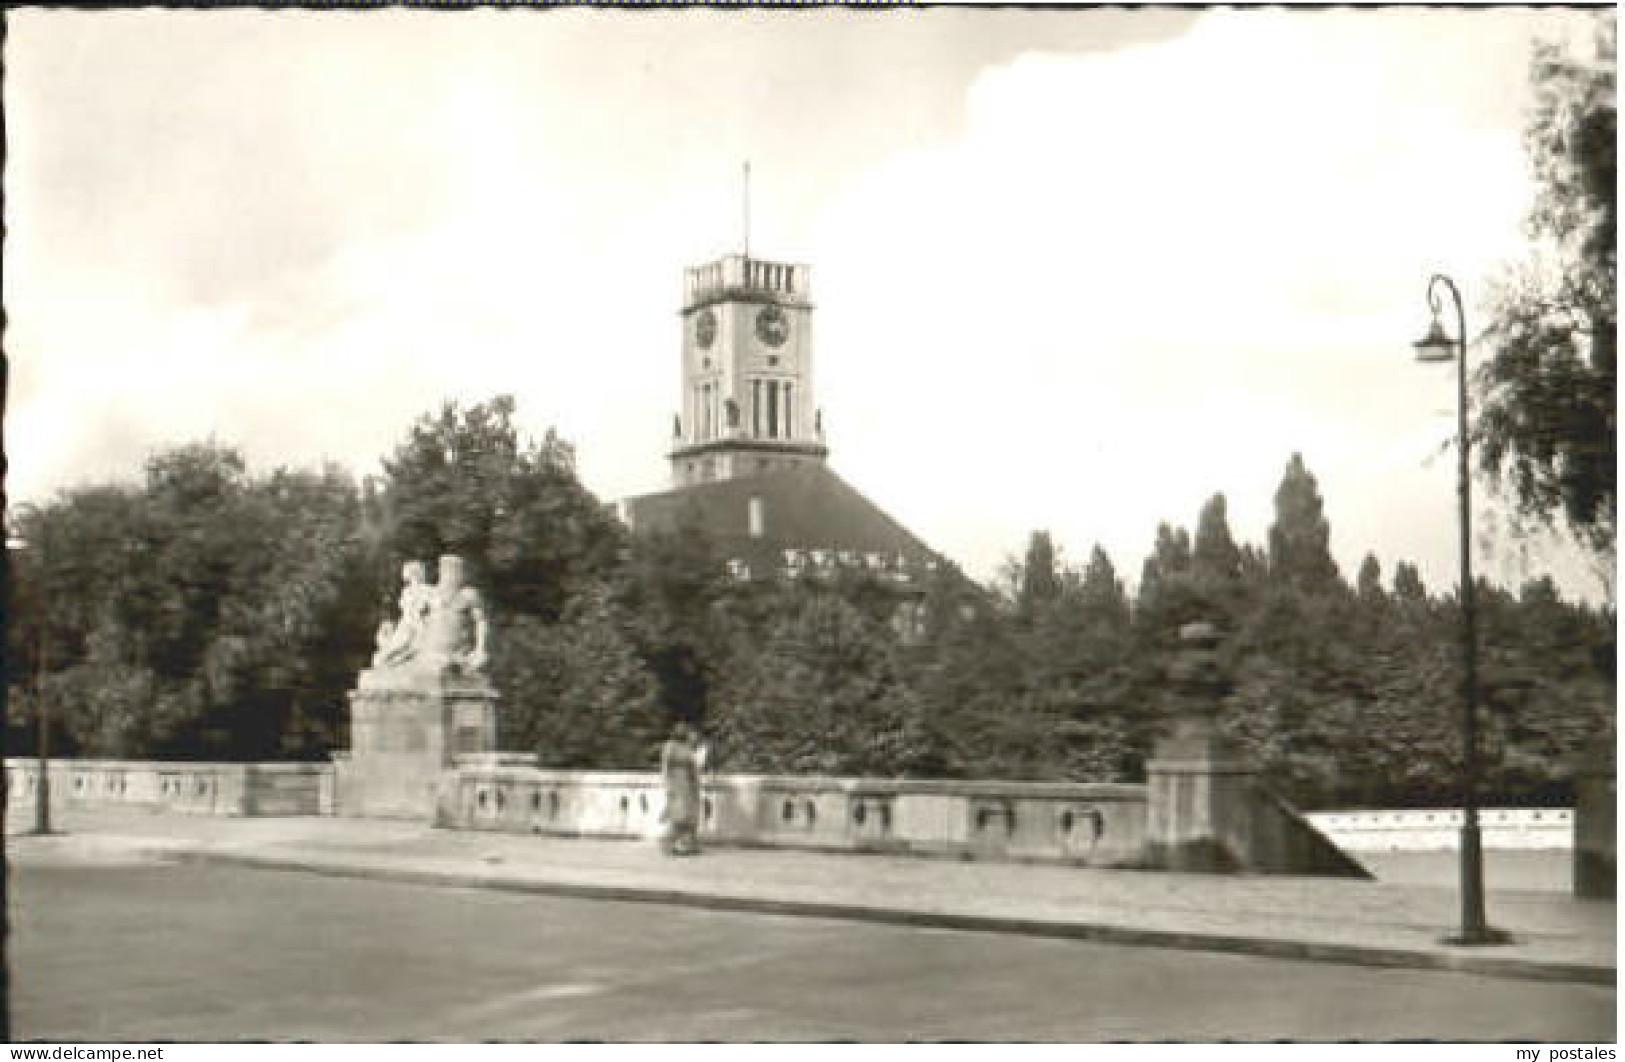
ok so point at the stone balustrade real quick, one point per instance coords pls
(1084, 824)
(184, 787)
(734, 273)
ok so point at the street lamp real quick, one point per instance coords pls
(1437, 346)
(42, 793)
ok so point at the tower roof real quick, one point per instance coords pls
(798, 510)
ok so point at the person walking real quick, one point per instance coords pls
(680, 764)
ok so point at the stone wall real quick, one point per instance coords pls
(1091, 825)
(184, 787)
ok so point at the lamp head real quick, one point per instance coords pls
(1436, 345)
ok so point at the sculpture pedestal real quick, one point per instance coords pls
(1199, 797)
(1206, 809)
(405, 729)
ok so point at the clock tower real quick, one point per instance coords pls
(747, 372)
(747, 457)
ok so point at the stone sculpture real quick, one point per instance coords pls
(426, 700)
(456, 633)
(441, 627)
(398, 640)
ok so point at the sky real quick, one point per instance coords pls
(1074, 270)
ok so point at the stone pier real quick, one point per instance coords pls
(1207, 808)
(1595, 803)
(1199, 785)
(406, 729)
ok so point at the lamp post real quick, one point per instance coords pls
(1437, 346)
(42, 793)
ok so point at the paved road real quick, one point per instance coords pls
(137, 952)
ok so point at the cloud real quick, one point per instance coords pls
(1142, 277)
(1074, 270)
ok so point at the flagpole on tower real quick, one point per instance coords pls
(745, 204)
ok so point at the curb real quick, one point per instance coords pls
(1263, 947)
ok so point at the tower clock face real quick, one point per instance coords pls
(705, 329)
(772, 326)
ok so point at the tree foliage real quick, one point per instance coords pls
(465, 482)
(1040, 580)
(826, 695)
(207, 614)
(588, 700)
(210, 612)
(1300, 539)
(1546, 422)
(1216, 559)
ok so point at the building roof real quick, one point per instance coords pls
(801, 510)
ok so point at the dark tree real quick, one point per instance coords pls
(1369, 582)
(972, 680)
(1101, 734)
(1216, 558)
(1547, 420)
(1102, 594)
(1408, 584)
(1040, 578)
(1165, 572)
(1300, 539)
(826, 695)
(206, 614)
(682, 603)
(586, 700)
(464, 482)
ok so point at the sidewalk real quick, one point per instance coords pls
(1556, 937)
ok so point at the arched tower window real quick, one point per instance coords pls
(772, 409)
(756, 408)
(789, 414)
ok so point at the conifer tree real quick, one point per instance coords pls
(1040, 578)
(1101, 593)
(1168, 564)
(1216, 559)
(1369, 581)
(1300, 539)
(1408, 584)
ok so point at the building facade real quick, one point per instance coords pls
(749, 463)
